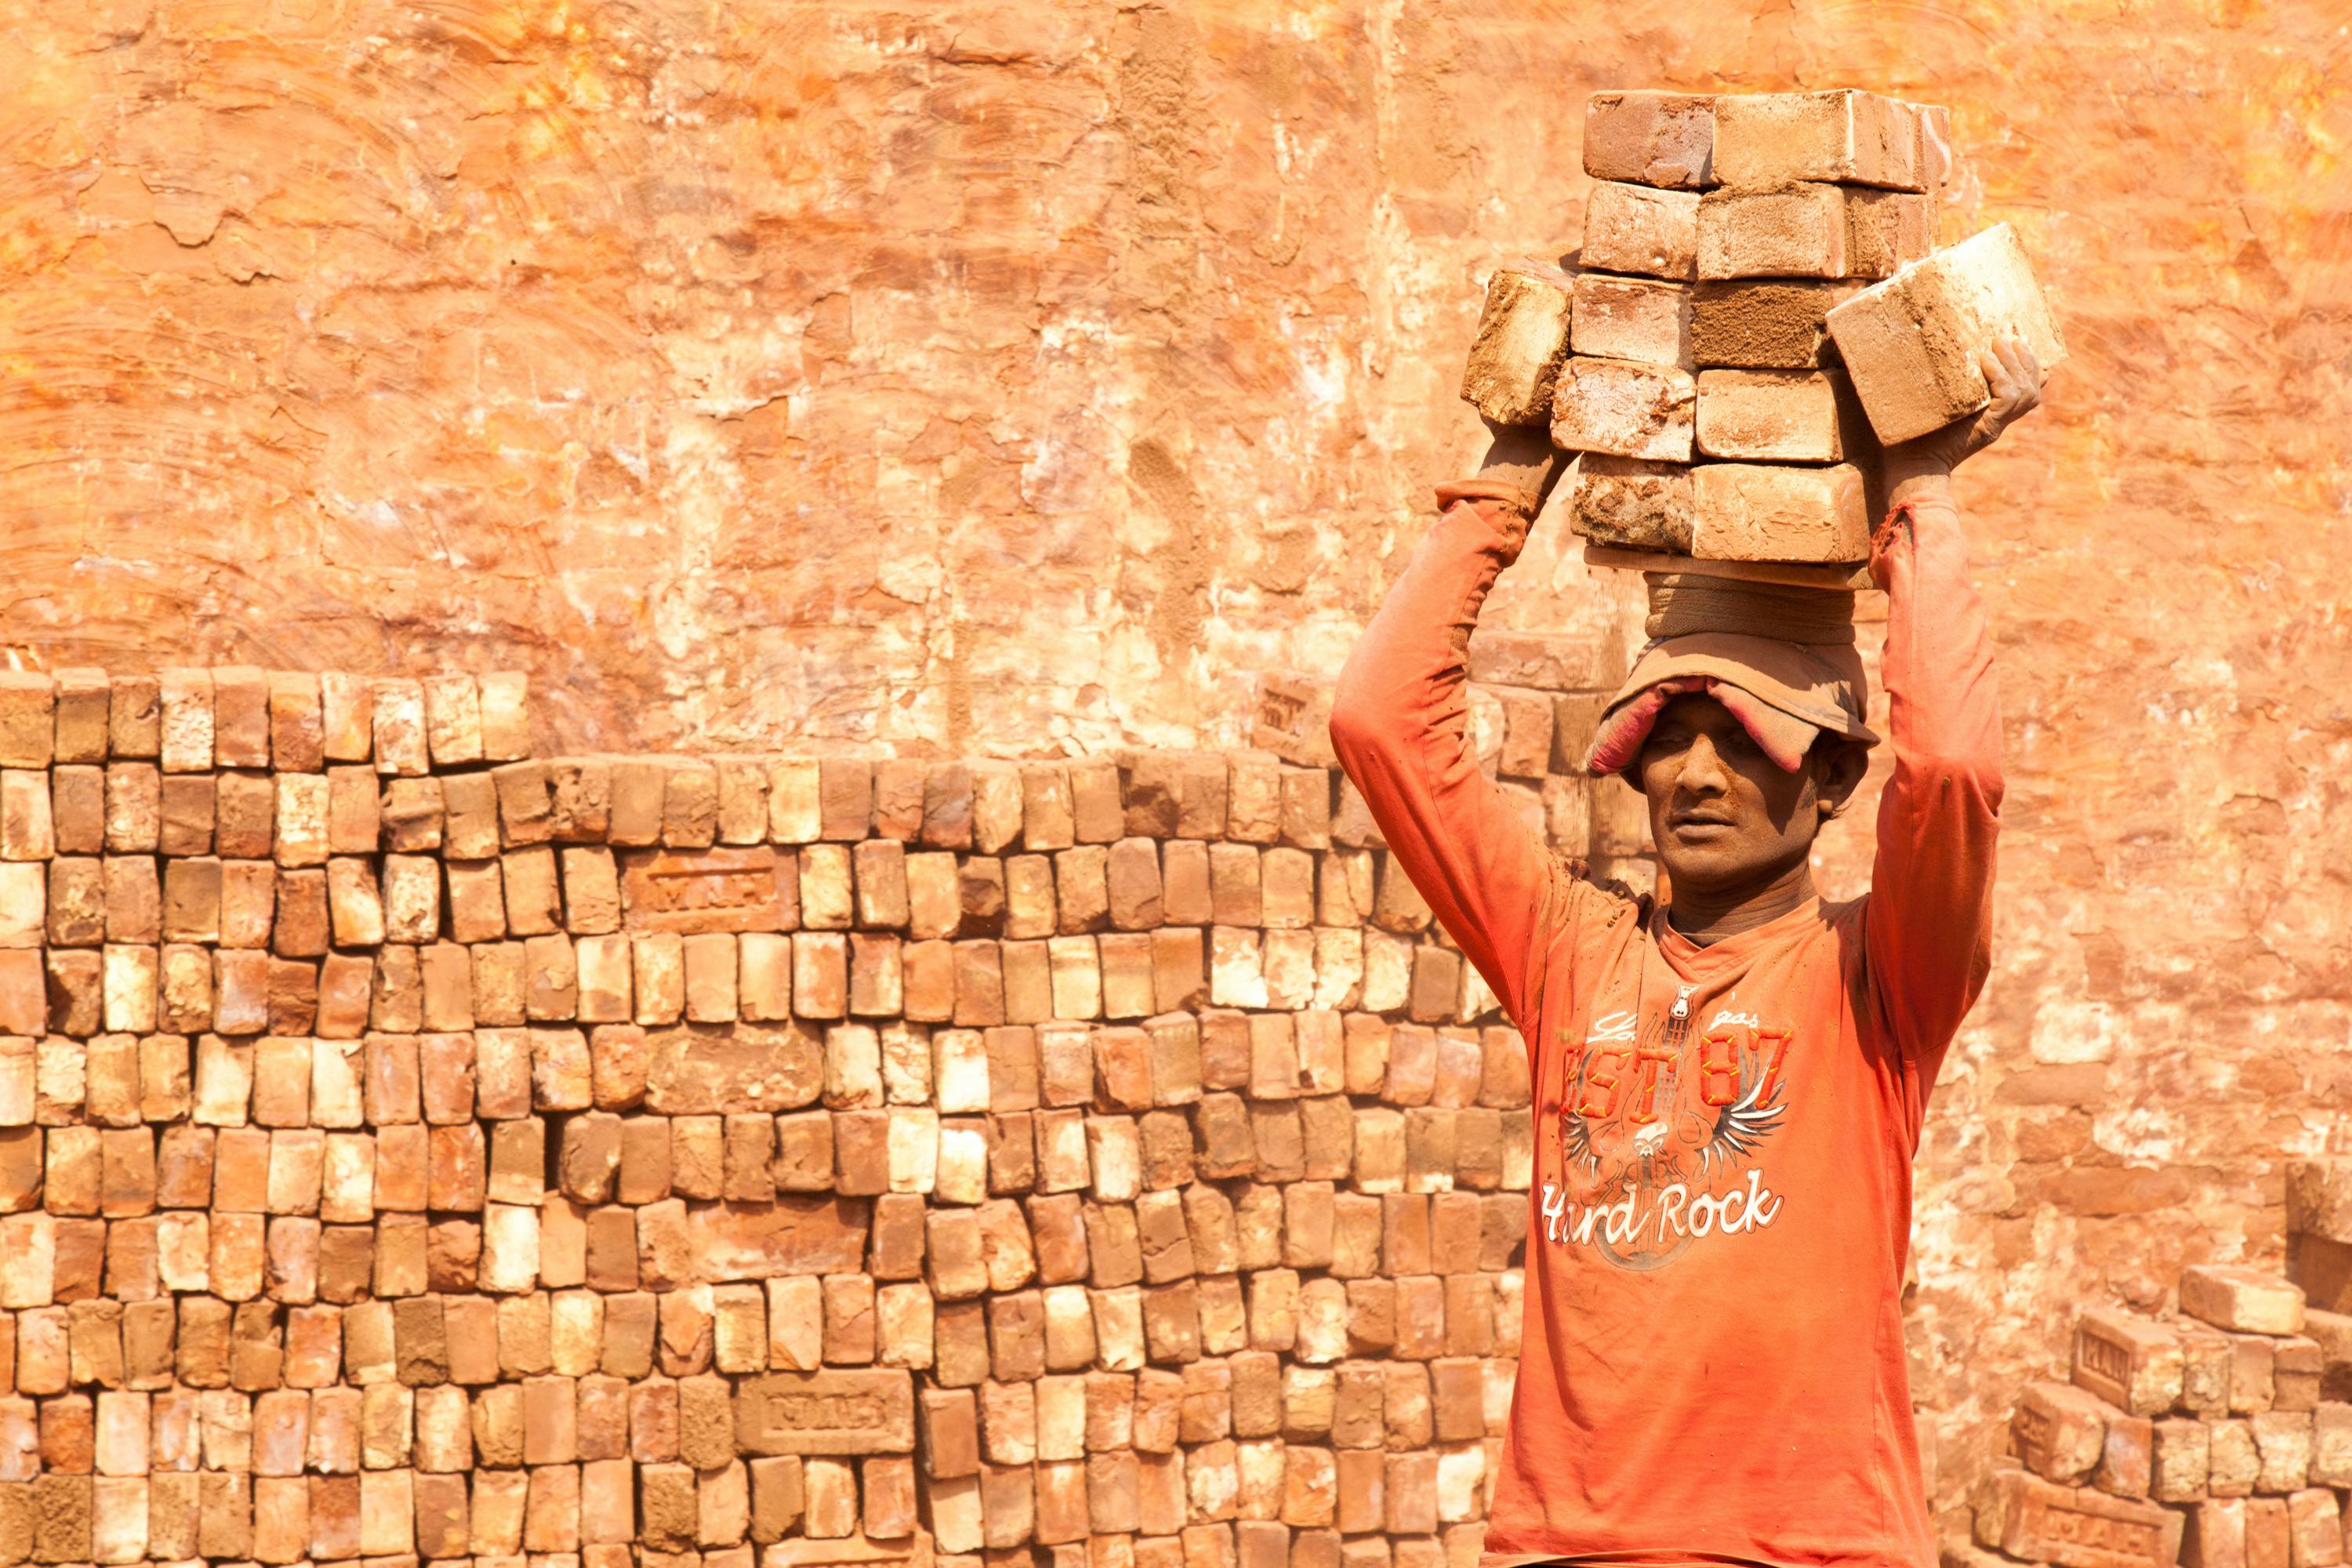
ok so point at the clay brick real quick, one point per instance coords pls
(77, 810)
(1765, 323)
(2331, 1452)
(77, 901)
(186, 814)
(1638, 229)
(2298, 1370)
(2315, 1529)
(2252, 1375)
(28, 830)
(1751, 511)
(1782, 417)
(80, 711)
(1886, 231)
(1763, 141)
(135, 715)
(1805, 231)
(2233, 1460)
(1253, 796)
(1521, 341)
(1625, 408)
(2282, 1439)
(1634, 504)
(2216, 1535)
(1910, 343)
(2128, 1361)
(1650, 138)
(2247, 1300)
(134, 808)
(2059, 1430)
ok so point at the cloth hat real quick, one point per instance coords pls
(1783, 694)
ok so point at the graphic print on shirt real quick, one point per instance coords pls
(1657, 1138)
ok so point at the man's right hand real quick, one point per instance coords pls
(1523, 454)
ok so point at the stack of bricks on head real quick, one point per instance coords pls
(412, 1149)
(1721, 360)
(2218, 1436)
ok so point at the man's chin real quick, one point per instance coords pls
(1711, 870)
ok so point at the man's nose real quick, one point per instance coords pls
(1703, 770)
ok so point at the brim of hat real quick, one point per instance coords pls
(1821, 683)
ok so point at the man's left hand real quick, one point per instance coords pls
(2014, 376)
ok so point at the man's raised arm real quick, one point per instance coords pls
(1930, 916)
(1400, 725)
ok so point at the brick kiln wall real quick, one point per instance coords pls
(410, 1148)
(1026, 380)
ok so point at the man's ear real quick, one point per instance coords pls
(1839, 764)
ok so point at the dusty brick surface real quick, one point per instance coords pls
(687, 1214)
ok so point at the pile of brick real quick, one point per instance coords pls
(410, 1147)
(1719, 357)
(2219, 1436)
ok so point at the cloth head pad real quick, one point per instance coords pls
(1783, 694)
(1783, 737)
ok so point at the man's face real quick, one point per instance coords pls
(1724, 815)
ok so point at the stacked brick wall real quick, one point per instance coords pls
(410, 1148)
(2219, 1434)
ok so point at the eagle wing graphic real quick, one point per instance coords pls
(1576, 1141)
(1745, 1123)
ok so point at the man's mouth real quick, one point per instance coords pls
(1702, 818)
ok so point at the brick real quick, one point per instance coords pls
(1910, 343)
(1782, 416)
(80, 711)
(1627, 409)
(1763, 141)
(1631, 228)
(1801, 232)
(77, 809)
(1633, 318)
(133, 807)
(1631, 503)
(186, 736)
(502, 699)
(2033, 1519)
(2128, 1362)
(2233, 1460)
(2245, 1300)
(1650, 138)
(2315, 1529)
(2282, 1440)
(2127, 1461)
(1886, 231)
(1521, 341)
(26, 826)
(2252, 1375)
(135, 715)
(2059, 1430)
(2298, 1370)
(2215, 1535)
(2206, 1363)
(2331, 1452)
(1751, 511)
(184, 814)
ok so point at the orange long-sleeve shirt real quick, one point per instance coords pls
(1712, 1366)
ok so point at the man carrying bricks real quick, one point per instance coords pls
(1728, 1087)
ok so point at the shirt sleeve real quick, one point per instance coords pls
(1400, 725)
(1929, 919)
